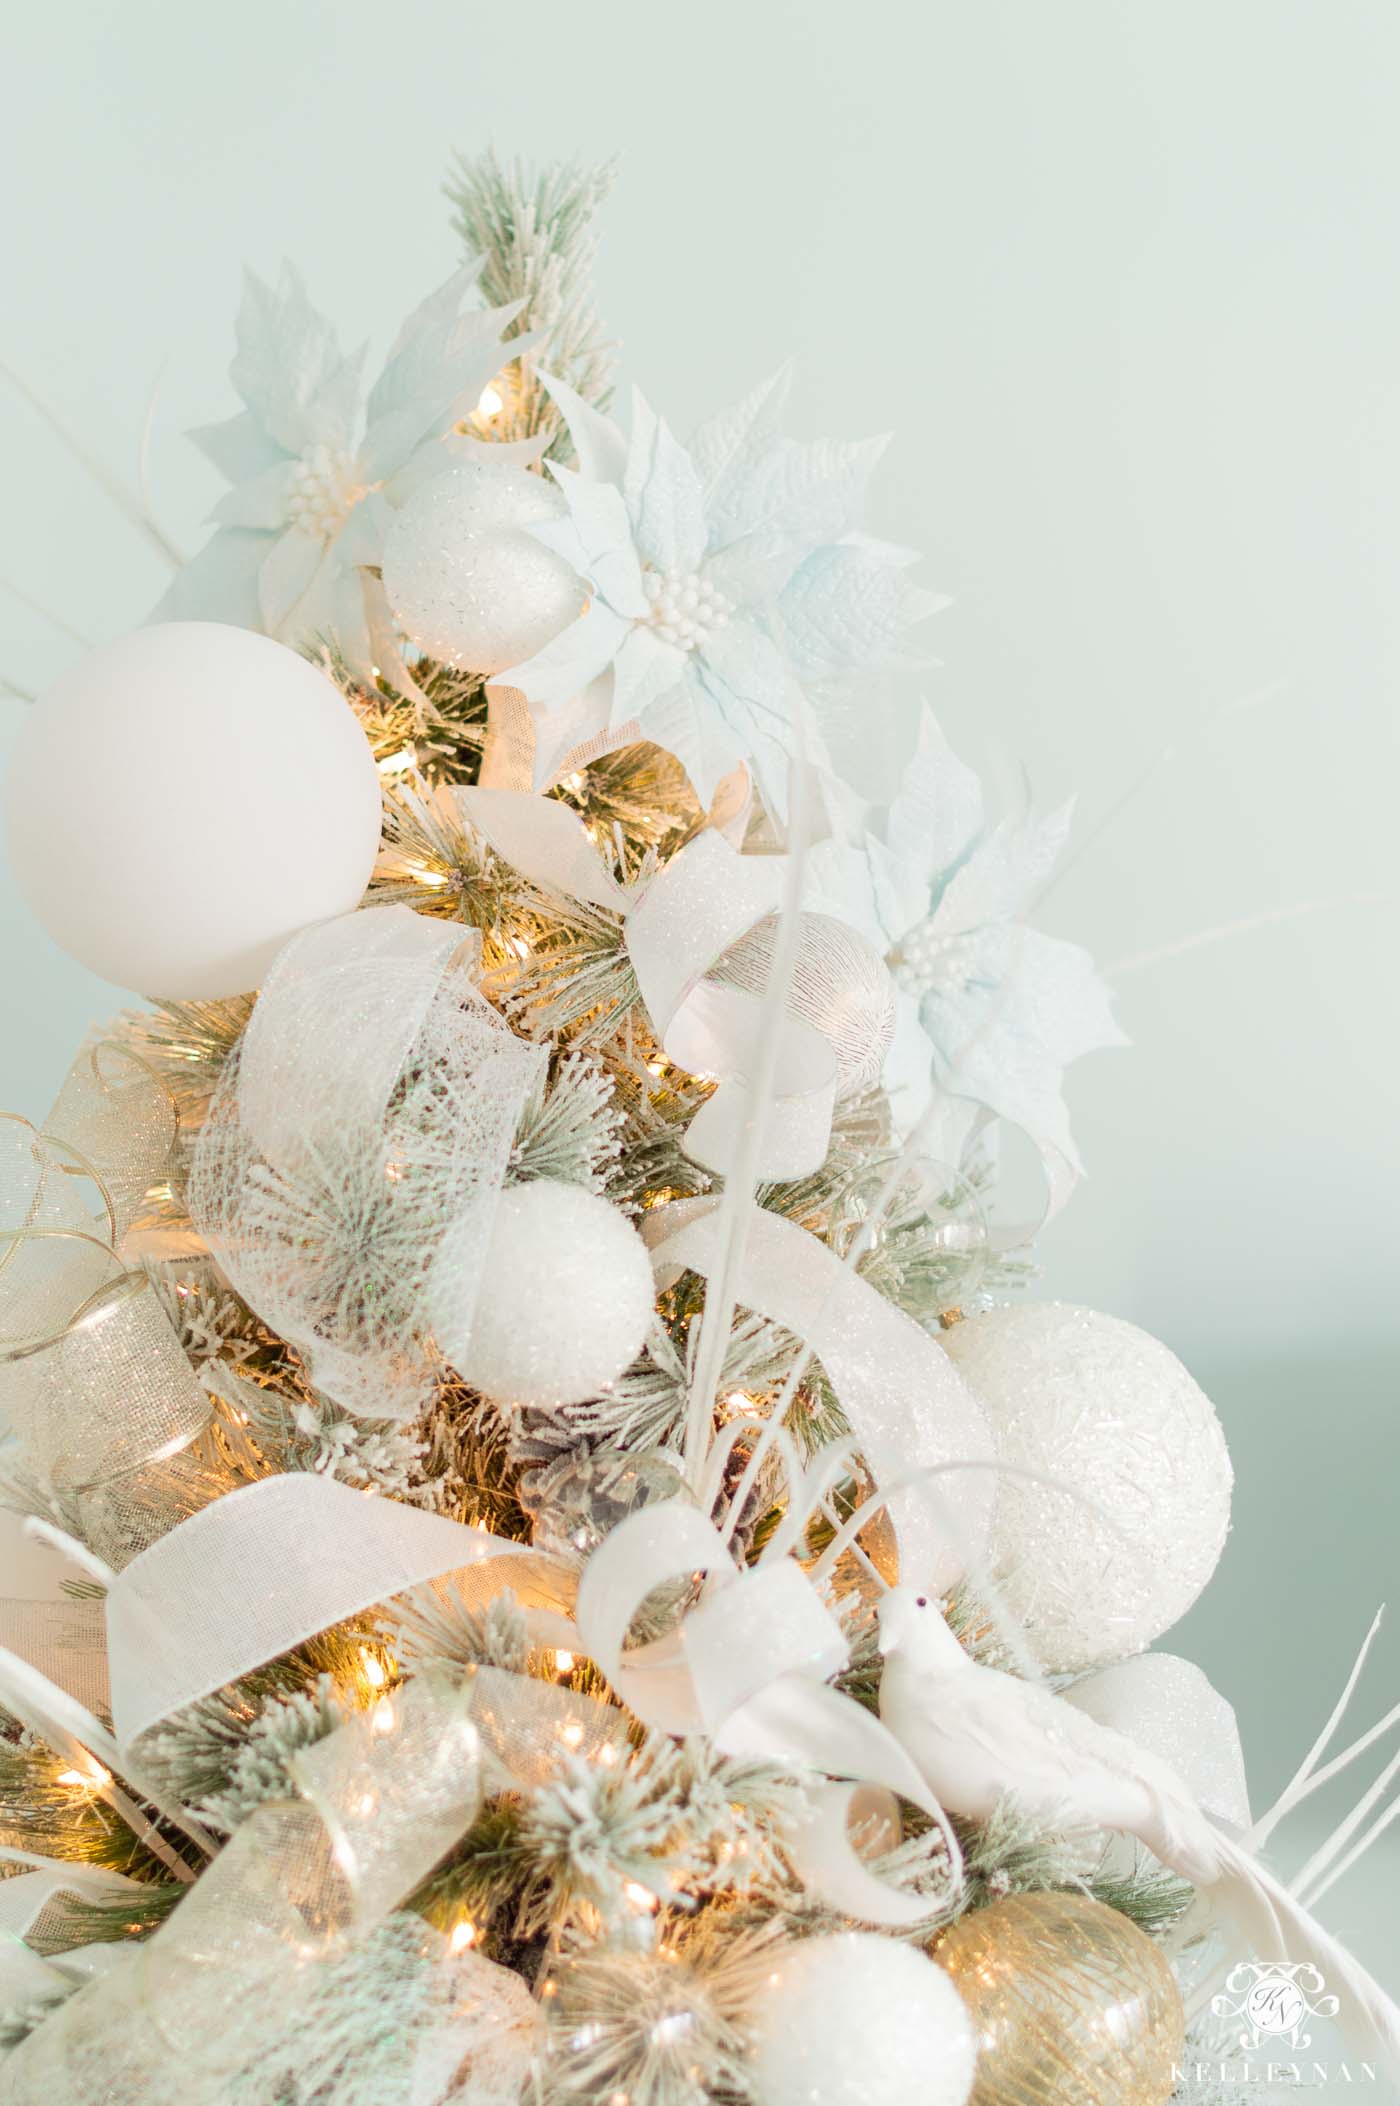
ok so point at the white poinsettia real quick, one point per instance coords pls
(990, 1011)
(719, 575)
(316, 463)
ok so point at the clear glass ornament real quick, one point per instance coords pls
(577, 1498)
(927, 1234)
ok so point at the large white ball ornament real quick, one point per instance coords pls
(183, 801)
(563, 1301)
(1108, 1413)
(859, 2020)
(467, 579)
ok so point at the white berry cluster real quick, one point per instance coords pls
(685, 608)
(324, 490)
(924, 959)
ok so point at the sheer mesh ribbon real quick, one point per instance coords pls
(244, 1983)
(348, 1172)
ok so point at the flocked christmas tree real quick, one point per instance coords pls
(572, 1544)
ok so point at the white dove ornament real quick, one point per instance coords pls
(978, 1736)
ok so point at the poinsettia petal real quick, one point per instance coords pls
(596, 538)
(261, 501)
(936, 813)
(664, 500)
(844, 611)
(600, 444)
(645, 669)
(286, 351)
(722, 445)
(837, 881)
(1005, 872)
(794, 493)
(239, 447)
(577, 655)
(288, 572)
(220, 582)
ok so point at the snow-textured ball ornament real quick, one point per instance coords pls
(564, 1300)
(465, 576)
(1124, 1521)
(840, 986)
(859, 2020)
(183, 801)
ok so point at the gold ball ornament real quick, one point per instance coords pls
(1072, 2004)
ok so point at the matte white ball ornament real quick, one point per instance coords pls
(1108, 1412)
(563, 1301)
(467, 579)
(183, 801)
(859, 2020)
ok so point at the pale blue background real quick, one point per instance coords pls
(1125, 278)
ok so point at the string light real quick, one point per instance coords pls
(491, 402)
(464, 1934)
(374, 1670)
(564, 1663)
(641, 1897)
(88, 1780)
(399, 763)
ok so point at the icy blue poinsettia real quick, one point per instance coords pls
(316, 463)
(990, 1011)
(726, 580)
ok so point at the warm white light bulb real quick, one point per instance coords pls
(491, 402)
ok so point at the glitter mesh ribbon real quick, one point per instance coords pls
(93, 1382)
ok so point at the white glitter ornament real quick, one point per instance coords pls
(840, 985)
(859, 2020)
(466, 578)
(183, 801)
(563, 1303)
(1102, 1408)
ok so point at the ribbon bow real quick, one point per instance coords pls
(678, 924)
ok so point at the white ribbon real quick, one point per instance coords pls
(747, 1668)
(904, 1400)
(677, 927)
(261, 1570)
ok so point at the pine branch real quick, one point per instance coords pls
(533, 230)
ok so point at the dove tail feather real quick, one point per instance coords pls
(1280, 1928)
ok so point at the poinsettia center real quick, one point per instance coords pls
(924, 959)
(324, 490)
(685, 609)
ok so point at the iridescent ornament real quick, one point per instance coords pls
(1072, 2004)
(858, 2020)
(1123, 1514)
(465, 575)
(840, 986)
